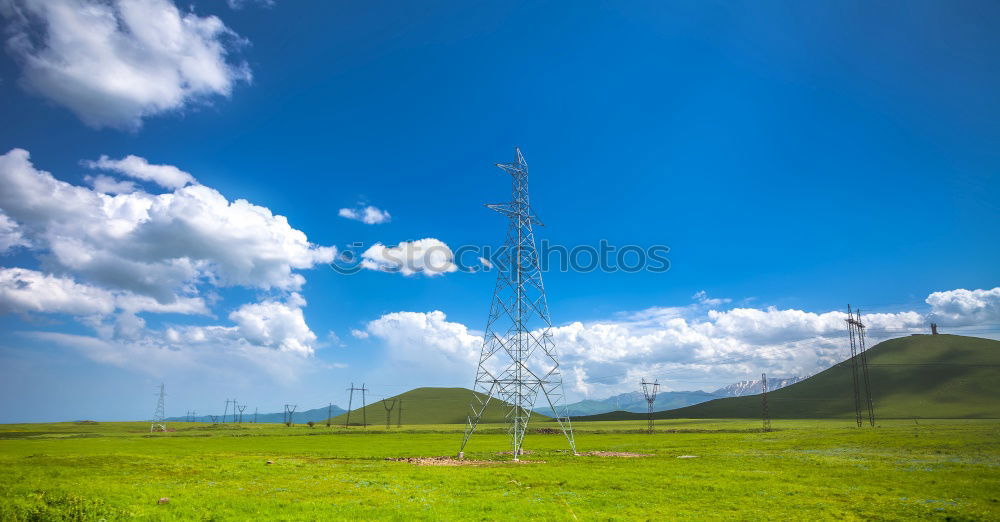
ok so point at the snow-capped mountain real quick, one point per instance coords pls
(739, 389)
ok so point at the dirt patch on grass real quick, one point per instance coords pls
(615, 454)
(523, 452)
(451, 461)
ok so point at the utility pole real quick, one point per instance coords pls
(388, 412)
(225, 411)
(255, 415)
(933, 328)
(241, 408)
(194, 416)
(289, 414)
(364, 413)
(215, 419)
(518, 358)
(329, 413)
(158, 423)
(765, 414)
(399, 414)
(649, 390)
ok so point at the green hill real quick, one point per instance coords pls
(921, 376)
(429, 406)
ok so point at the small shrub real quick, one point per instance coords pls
(311, 424)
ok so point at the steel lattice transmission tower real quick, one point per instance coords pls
(649, 390)
(518, 357)
(859, 361)
(159, 423)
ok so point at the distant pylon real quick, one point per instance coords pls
(329, 412)
(649, 390)
(388, 412)
(765, 414)
(933, 328)
(158, 423)
(289, 414)
(399, 414)
(518, 356)
(364, 412)
(241, 408)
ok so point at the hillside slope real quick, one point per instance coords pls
(924, 376)
(429, 406)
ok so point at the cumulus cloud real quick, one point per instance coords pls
(167, 176)
(10, 234)
(108, 185)
(110, 259)
(427, 256)
(23, 290)
(368, 215)
(115, 62)
(687, 345)
(440, 350)
(158, 245)
(963, 307)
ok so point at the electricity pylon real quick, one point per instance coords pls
(518, 357)
(649, 390)
(859, 366)
(158, 423)
(764, 412)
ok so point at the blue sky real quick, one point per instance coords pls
(795, 157)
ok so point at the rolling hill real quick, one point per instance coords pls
(429, 406)
(920, 376)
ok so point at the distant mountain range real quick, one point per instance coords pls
(635, 402)
(739, 389)
(300, 417)
(630, 402)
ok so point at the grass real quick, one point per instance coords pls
(923, 376)
(805, 469)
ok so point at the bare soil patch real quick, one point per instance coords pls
(452, 461)
(615, 454)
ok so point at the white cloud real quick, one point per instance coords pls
(108, 185)
(275, 325)
(23, 290)
(114, 62)
(427, 343)
(139, 253)
(158, 245)
(702, 298)
(167, 176)
(10, 234)
(963, 307)
(688, 346)
(359, 334)
(427, 256)
(368, 215)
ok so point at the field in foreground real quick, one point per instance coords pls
(804, 469)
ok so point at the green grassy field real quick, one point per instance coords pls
(805, 469)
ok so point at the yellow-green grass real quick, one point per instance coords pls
(818, 469)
